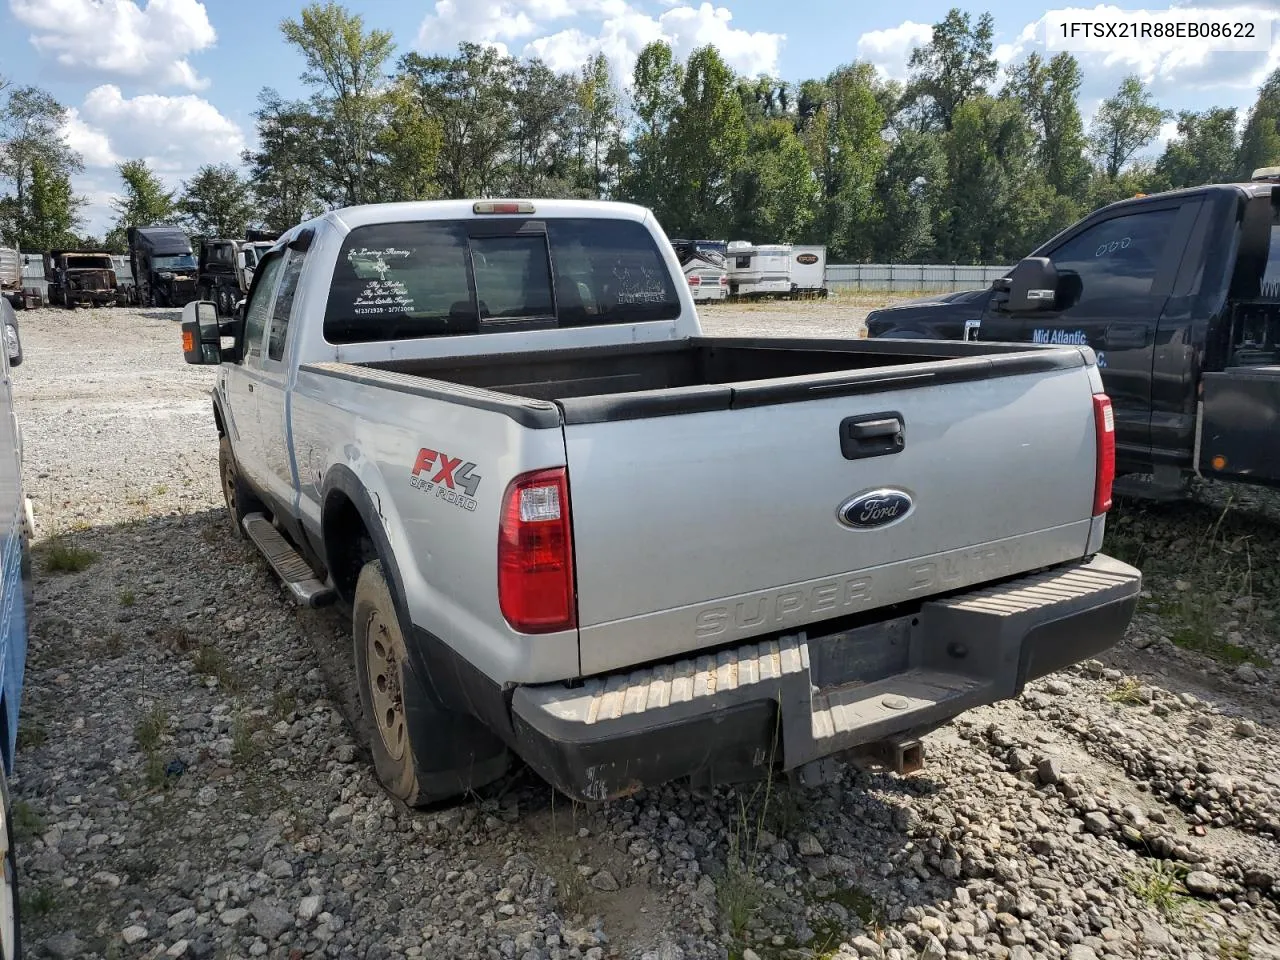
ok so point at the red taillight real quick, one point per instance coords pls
(1104, 423)
(724, 281)
(535, 554)
(695, 280)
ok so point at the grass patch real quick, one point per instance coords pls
(209, 661)
(63, 557)
(151, 728)
(155, 772)
(1127, 692)
(1235, 948)
(244, 749)
(127, 598)
(26, 822)
(38, 902)
(176, 638)
(283, 704)
(114, 643)
(1160, 886)
(31, 736)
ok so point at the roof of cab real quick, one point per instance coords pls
(360, 216)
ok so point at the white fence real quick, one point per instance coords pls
(928, 277)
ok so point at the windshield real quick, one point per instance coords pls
(89, 263)
(183, 261)
(255, 253)
(397, 281)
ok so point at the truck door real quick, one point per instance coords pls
(277, 450)
(243, 381)
(1115, 275)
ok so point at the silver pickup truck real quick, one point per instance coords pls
(570, 527)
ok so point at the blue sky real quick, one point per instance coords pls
(176, 81)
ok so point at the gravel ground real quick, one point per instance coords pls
(187, 784)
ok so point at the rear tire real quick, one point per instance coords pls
(240, 500)
(423, 753)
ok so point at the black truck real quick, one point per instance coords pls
(164, 266)
(226, 268)
(1178, 294)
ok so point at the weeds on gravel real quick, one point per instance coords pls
(1235, 948)
(1160, 885)
(1127, 692)
(209, 661)
(38, 901)
(151, 728)
(283, 704)
(114, 644)
(175, 638)
(127, 598)
(244, 749)
(32, 735)
(26, 822)
(63, 557)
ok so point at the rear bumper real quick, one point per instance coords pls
(796, 699)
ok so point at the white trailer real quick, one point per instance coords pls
(759, 270)
(809, 270)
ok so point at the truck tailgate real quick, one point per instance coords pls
(692, 530)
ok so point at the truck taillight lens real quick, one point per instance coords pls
(1104, 422)
(535, 554)
(695, 280)
(724, 281)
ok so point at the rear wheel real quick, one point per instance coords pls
(239, 499)
(422, 752)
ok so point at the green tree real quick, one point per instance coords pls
(1125, 123)
(145, 200)
(655, 100)
(217, 202)
(54, 209)
(708, 146)
(469, 98)
(777, 196)
(345, 65)
(1049, 92)
(31, 124)
(910, 187)
(1260, 142)
(598, 128)
(847, 150)
(540, 153)
(1204, 150)
(956, 65)
(409, 144)
(286, 169)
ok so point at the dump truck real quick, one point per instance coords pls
(225, 270)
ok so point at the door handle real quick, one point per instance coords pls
(251, 388)
(872, 435)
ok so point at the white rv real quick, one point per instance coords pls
(809, 270)
(705, 270)
(759, 270)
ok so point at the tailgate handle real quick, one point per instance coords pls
(873, 435)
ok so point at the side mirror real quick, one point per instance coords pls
(201, 333)
(13, 344)
(1033, 285)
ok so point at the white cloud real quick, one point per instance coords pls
(173, 134)
(565, 33)
(120, 38)
(889, 50)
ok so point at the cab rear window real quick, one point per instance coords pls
(400, 281)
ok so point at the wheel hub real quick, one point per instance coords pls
(385, 686)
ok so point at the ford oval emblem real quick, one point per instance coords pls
(875, 508)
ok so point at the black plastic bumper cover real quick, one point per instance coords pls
(745, 708)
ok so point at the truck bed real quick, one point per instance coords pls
(717, 373)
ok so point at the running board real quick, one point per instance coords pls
(289, 566)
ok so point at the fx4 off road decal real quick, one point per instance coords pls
(446, 477)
